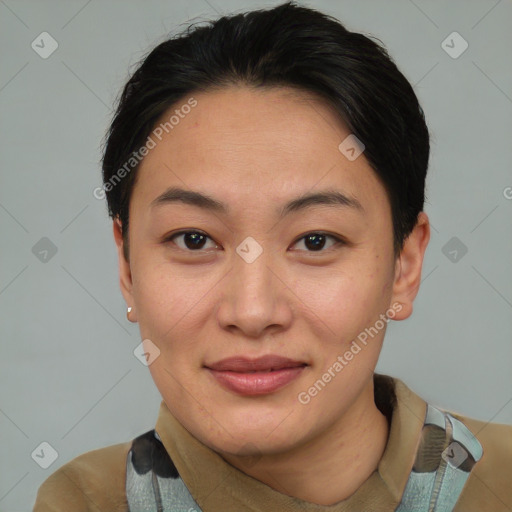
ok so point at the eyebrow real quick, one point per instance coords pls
(333, 198)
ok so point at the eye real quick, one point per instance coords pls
(192, 240)
(315, 242)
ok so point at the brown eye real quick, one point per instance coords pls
(191, 240)
(315, 242)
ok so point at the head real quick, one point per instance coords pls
(265, 175)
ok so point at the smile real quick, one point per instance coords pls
(259, 376)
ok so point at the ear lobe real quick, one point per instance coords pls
(125, 275)
(408, 267)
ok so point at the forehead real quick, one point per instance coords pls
(254, 147)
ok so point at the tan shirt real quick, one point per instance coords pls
(95, 481)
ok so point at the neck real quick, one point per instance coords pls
(333, 466)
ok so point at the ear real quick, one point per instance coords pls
(125, 274)
(408, 267)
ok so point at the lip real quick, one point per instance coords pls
(258, 376)
(243, 364)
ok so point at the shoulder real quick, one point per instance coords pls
(93, 481)
(489, 486)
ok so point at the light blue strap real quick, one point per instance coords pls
(435, 417)
(416, 497)
(439, 490)
(463, 435)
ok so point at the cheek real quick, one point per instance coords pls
(173, 310)
(345, 299)
(162, 297)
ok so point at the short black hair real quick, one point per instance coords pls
(288, 45)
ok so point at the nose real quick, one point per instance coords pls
(256, 299)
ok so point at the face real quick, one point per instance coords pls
(253, 278)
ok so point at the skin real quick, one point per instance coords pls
(255, 150)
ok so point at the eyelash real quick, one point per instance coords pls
(339, 241)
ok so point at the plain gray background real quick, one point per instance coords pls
(68, 374)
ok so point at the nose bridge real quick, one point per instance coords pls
(253, 300)
(252, 269)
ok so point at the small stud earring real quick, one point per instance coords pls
(128, 311)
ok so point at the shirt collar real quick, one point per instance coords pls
(217, 485)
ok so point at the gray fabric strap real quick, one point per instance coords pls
(152, 482)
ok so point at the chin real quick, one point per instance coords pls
(243, 434)
(253, 444)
